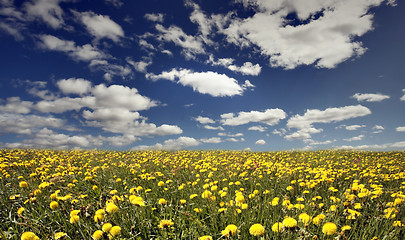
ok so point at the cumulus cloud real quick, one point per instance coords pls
(78, 86)
(326, 34)
(260, 142)
(48, 11)
(311, 116)
(400, 129)
(204, 120)
(78, 53)
(269, 116)
(246, 69)
(357, 138)
(352, 127)
(212, 83)
(304, 133)
(100, 26)
(47, 138)
(16, 105)
(154, 17)
(26, 124)
(213, 128)
(191, 45)
(211, 140)
(403, 97)
(328, 115)
(258, 128)
(140, 66)
(385, 146)
(172, 144)
(370, 97)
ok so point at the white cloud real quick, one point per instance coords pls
(232, 139)
(378, 128)
(16, 105)
(357, 138)
(230, 134)
(260, 142)
(154, 17)
(48, 11)
(204, 120)
(354, 127)
(47, 138)
(172, 144)
(140, 66)
(214, 128)
(78, 53)
(403, 97)
(122, 140)
(303, 133)
(64, 104)
(113, 115)
(312, 142)
(211, 140)
(400, 129)
(212, 83)
(121, 96)
(326, 116)
(100, 26)
(326, 35)
(269, 116)
(78, 86)
(258, 128)
(370, 97)
(25, 124)
(190, 44)
(385, 146)
(246, 69)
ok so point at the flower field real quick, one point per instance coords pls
(201, 195)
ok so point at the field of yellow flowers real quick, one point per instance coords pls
(201, 195)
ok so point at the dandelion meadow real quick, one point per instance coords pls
(201, 195)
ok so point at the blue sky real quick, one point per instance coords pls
(262, 75)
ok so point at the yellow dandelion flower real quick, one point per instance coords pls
(197, 210)
(165, 223)
(239, 198)
(277, 227)
(162, 201)
(20, 210)
(29, 236)
(106, 227)
(193, 196)
(111, 208)
(60, 235)
(289, 222)
(161, 184)
(231, 228)
(54, 205)
(74, 219)
(98, 234)
(206, 194)
(305, 218)
(256, 229)
(205, 238)
(329, 228)
(23, 184)
(346, 227)
(116, 230)
(397, 224)
(98, 217)
(182, 201)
